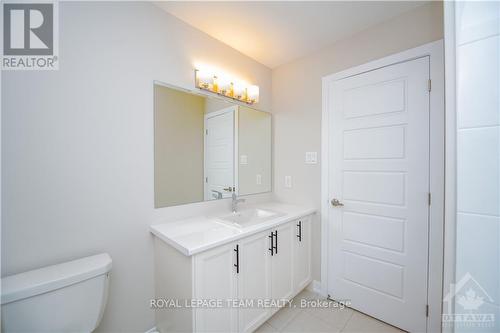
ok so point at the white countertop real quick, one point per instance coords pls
(198, 234)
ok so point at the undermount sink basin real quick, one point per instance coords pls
(249, 217)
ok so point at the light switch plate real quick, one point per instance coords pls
(258, 179)
(243, 159)
(288, 181)
(311, 157)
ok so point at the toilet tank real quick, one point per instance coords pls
(68, 297)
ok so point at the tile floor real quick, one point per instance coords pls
(331, 319)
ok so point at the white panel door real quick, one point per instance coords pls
(302, 254)
(215, 279)
(219, 153)
(379, 149)
(254, 279)
(282, 268)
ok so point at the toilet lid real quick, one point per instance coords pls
(42, 280)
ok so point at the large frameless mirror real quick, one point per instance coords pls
(206, 148)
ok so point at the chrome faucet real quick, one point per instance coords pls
(218, 194)
(234, 202)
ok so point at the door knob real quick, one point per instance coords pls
(336, 203)
(228, 189)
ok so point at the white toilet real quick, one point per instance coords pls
(68, 297)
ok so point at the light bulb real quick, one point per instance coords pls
(204, 79)
(239, 91)
(253, 94)
(225, 85)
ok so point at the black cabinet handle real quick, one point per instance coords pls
(276, 242)
(299, 236)
(237, 265)
(272, 242)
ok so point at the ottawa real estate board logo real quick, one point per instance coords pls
(30, 36)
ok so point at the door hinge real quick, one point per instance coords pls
(206, 179)
(429, 85)
(429, 198)
(206, 132)
(427, 310)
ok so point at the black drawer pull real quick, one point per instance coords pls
(237, 265)
(276, 242)
(272, 242)
(299, 236)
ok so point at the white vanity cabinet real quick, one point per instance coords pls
(254, 279)
(302, 254)
(270, 264)
(282, 262)
(215, 277)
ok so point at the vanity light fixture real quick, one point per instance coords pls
(225, 86)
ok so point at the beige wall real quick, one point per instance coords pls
(296, 100)
(179, 122)
(215, 104)
(254, 141)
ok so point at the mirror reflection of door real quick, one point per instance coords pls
(219, 153)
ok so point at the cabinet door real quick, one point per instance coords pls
(254, 280)
(282, 262)
(302, 254)
(215, 279)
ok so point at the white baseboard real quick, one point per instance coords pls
(152, 330)
(315, 287)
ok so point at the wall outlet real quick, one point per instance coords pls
(311, 157)
(258, 179)
(288, 181)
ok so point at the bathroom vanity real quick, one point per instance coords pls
(230, 273)
(240, 267)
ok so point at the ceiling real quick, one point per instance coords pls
(274, 33)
